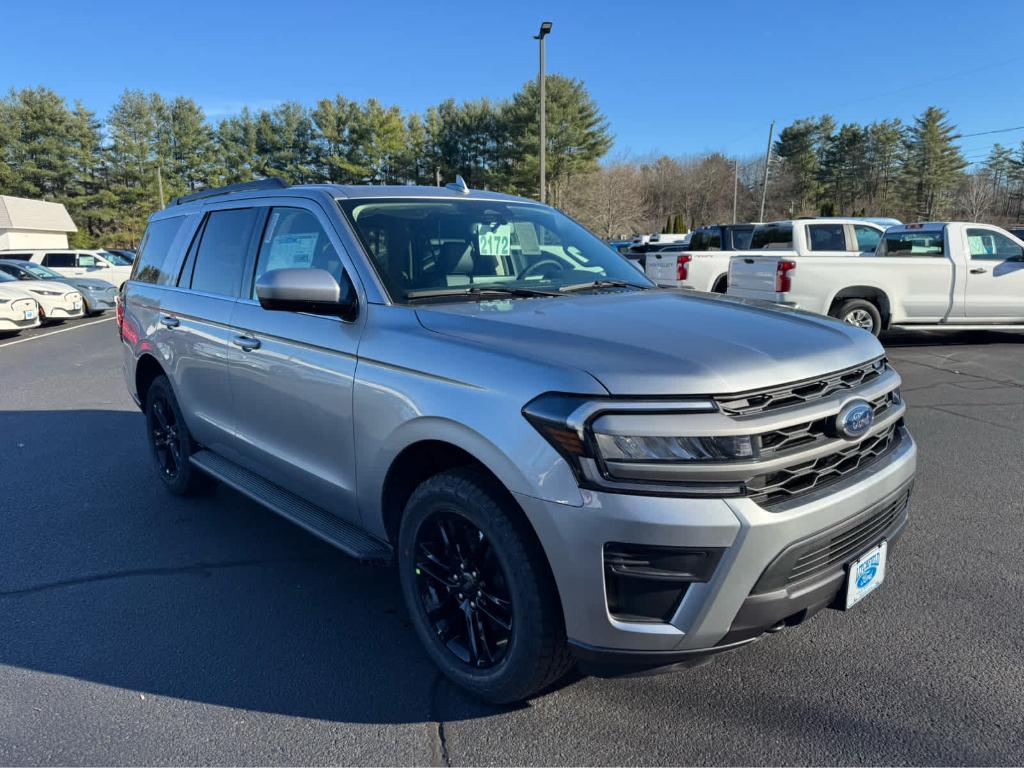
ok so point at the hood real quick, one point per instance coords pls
(45, 285)
(14, 291)
(661, 342)
(86, 282)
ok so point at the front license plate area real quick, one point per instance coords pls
(866, 574)
(30, 314)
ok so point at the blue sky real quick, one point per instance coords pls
(672, 77)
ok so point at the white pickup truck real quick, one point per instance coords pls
(702, 263)
(946, 274)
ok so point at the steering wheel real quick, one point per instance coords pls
(536, 266)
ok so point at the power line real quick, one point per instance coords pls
(986, 133)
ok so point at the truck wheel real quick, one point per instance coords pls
(478, 589)
(170, 442)
(861, 313)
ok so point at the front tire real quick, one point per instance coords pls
(478, 589)
(170, 442)
(862, 314)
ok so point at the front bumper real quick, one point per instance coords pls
(735, 606)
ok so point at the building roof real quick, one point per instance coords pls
(37, 215)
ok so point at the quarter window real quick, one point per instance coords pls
(294, 239)
(826, 237)
(152, 263)
(988, 245)
(867, 237)
(220, 260)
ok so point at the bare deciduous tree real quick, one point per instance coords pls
(609, 202)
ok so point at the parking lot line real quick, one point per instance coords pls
(54, 333)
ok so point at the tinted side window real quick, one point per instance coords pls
(714, 239)
(220, 260)
(988, 245)
(698, 241)
(772, 237)
(294, 239)
(151, 264)
(18, 256)
(59, 260)
(826, 237)
(867, 237)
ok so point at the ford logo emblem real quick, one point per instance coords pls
(855, 419)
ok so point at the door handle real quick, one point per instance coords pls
(978, 271)
(169, 322)
(247, 343)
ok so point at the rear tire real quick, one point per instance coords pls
(478, 589)
(862, 314)
(170, 442)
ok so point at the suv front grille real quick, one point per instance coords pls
(807, 433)
(778, 487)
(801, 392)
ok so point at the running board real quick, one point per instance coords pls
(345, 536)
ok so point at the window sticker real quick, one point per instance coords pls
(292, 251)
(496, 241)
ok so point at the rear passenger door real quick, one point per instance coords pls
(195, 322)
(292, 372)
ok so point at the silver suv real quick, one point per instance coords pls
(564, 462)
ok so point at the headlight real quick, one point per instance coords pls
(629, 445)
(638, 448)
(42, 292)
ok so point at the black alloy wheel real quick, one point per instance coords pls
(463, 589)
(166, 436)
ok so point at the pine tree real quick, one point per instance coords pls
(933, 166)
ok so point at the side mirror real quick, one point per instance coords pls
(307, 290)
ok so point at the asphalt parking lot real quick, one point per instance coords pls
(138, 628)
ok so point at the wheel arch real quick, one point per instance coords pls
(147, 368)
(875, 295)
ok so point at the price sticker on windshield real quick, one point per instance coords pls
(496, 241)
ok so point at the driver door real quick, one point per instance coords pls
(291, 373)
(995, 276)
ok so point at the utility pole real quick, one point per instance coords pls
(767, 161)
(735, 187)
(160, 186)
(545, 29)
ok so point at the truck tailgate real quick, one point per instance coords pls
(661, 267)
(753, 276)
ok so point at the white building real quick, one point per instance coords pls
(28, 223)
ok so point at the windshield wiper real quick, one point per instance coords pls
(476, 290)
(600, 284)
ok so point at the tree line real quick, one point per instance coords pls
(913, 171)
(110, 173)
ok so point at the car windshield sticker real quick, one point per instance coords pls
(495, 241)
(527, 237)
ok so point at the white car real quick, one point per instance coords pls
(73, 262)
(57, 301)
(17, 310)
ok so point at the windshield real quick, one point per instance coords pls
(116, 259)
(426, 246)
(39, 272)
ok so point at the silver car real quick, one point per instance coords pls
(564, 462)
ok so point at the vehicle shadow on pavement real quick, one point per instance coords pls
(910, 338)
(106, 577)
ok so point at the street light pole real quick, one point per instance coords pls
(545, 29)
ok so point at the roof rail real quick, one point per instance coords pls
(272, 182)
